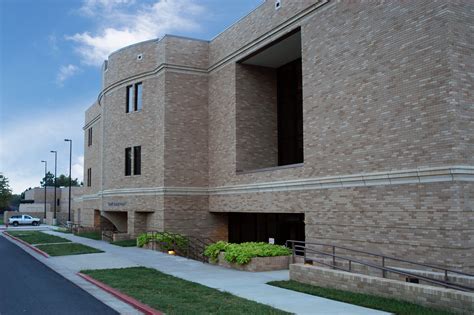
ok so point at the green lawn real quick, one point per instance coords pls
(125, 243)
(36, 237)
(67, 249)
(1, 219)
(176, 296)
(91, 235)
(370, 301)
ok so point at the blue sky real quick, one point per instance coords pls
(50, 59)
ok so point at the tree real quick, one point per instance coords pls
(15, 202)
(62, 180)
(5, 192)
(48, 180)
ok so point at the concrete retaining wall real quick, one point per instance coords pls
(452, 300)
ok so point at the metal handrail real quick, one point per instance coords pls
(298, 248)
(382, 256)
(382, 268)
(194, 248)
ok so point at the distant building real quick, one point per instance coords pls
(37, 197)
(343, 122)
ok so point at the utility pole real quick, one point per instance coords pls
(70, 179)
(45, 182)
(55, 182)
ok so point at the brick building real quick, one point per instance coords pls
(349, 123)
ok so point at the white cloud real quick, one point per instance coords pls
(65, 72)
(122, 25)
(28, 140)
(77, 169)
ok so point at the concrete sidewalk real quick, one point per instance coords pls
(248, 285)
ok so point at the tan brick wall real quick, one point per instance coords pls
(256, 117)
(186, 130)
(450, 300)
(386, 86)
(425, 222)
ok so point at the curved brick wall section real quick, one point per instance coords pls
(123, 64)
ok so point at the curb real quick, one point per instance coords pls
(39, 251)
(127, 299)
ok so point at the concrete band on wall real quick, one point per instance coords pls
(422, 175)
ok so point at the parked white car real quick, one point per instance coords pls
(23, 219)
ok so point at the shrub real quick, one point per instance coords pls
(243, 253)
(166, 241)
(212, 251)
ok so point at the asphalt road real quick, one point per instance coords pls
(29, 287)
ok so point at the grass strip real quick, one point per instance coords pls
(36, 237)
(92, 235)
(67, 249)
(172, 295)
(125, 243)
(1, 221)
(365, 300)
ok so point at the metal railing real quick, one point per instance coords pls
(300, 248)
(193, 249)
(108, 235)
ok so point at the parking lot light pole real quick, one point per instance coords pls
(55, 182)
(45, 185)
(70, 179)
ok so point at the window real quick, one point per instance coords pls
(269, 105)
(89, 177)
(128, 109)
(89, 137)
(128, 161)
(134, 98)
(137, 160)
(58, 201)
(138, 97)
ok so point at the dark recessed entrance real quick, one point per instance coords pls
(259, 227)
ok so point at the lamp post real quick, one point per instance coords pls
(45, 182)
(70, 179)
(55, 182)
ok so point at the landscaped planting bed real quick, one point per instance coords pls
(172, 295)
(163, 241)
(365, 300)
(67, 249)
(36, 237)
(250, 256)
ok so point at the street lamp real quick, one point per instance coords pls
(70, 179)
(55, 182)
(45, 182)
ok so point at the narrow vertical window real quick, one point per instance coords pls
(138, 97)
(128, 161)
(89, 137)
(89, 177)
(129, 104)
(137, 160)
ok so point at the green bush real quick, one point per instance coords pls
(212, 251)
(243, 253)
(166, 241)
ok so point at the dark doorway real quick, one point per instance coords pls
(290, 113)
(260, 227)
